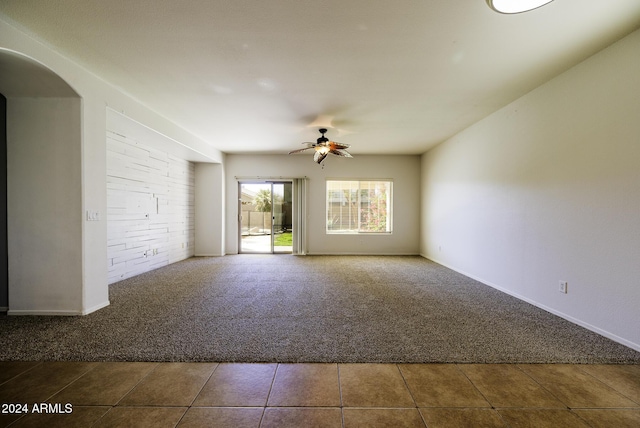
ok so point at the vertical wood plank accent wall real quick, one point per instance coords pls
(150, 208)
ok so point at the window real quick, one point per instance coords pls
(355, 206)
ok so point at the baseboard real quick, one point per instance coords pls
(3, 309)
(96, 307)
(359, 254)
(21, 312)
(605, 333)
(334, 254)
(208, 255)
(55, 312)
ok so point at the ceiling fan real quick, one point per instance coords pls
(324, 147)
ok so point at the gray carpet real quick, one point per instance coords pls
(283, 308)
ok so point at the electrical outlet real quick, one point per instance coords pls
(93, 215)
(563, 287)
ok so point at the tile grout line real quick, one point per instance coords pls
(113, 406)
(157, 365)
(266, 401)
(415, 403)
(340, 394)
(457, 366)
(38, 363)
(195, 397)
(198, 393)
(609, 386)
(95, 365)
(518, 366)
(406, 385)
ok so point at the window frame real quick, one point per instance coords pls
(388, 183)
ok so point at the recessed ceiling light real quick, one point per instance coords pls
(516, 6)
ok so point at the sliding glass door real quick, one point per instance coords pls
(266, 214)
(282, 231)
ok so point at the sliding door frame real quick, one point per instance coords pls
(298, 212)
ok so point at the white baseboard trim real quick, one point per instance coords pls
(359, 254)
(96, 307)
(332, 254)
(20, 312)
(208, 255)
(605, 333)
(3, 309)
(56, 312)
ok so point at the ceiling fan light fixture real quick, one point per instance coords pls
(516, 6)
(323, 147)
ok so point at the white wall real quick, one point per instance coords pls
(403, 170)
(548, 189)
(210, 212)
(150, 207)
(97, 95)
(44, 205)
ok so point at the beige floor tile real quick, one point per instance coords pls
(233, 384)
(441, 385)
(542, 418)
(505, 385)
(141, 417)
(104, 385)
(10, 369)
(170, 384)
(231, 394)
(41, 382)
(459, 418)
(382, 418)
(373, 385)
(296, 417)
(623, 378)
(609, 418)
(574, 387)
(81, 417)
(222, 417)
(305, 385)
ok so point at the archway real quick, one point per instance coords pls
(43, 194)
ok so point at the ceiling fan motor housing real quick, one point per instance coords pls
(322, 139)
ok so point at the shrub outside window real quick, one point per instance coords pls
(359, 206)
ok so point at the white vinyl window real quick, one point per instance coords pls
(359, 206)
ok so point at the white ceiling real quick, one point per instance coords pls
(253, 76)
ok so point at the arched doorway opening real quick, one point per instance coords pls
(42, 269)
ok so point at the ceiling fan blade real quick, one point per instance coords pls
(341, 152)
(335, 145)
(300, 150)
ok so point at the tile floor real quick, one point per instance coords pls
(120, 394)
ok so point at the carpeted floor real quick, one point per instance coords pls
(283, 308)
